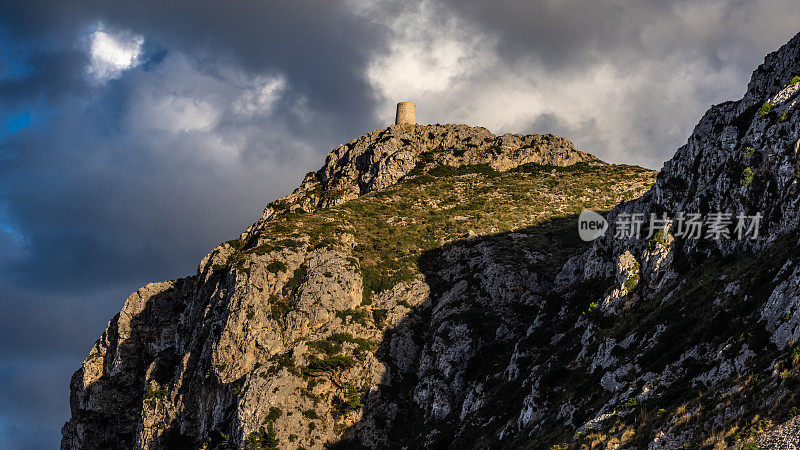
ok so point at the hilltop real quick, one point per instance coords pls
(427, 288)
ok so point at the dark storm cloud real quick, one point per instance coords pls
(95, 200)
(108, 182)
(626, 80)
(51, 76)
(320, 46)
(562, 34)
(573, 35)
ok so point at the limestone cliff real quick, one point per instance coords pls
(427, 288)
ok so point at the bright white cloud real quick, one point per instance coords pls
(175, 113)
(217, 114)
(111, 54)
(633, 112)
(259, 98)
(428, 51)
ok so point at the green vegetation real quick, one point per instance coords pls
(276, 266)
(747, 176)
(360, 316)
(631, 283)
(310, 414)
(236, 244)
(352, 397)
(784, 116)
(265, 438)
(766, 108)
(262, 249)
(795, 80)
(274, 414)
(377, 279)
(657, 239)
(627, 404)
(291, 286)
(350, 400)
(329, 364)
(450, 171)
(333, 344)
(151, 394)
(749, 151)
(593, 311)
(280, 306)
(278, 205)
(394, 227)
(379, 316)
(280, 361)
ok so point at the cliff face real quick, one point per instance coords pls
(285, 328)
(427, 288)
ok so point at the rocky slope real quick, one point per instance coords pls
(427, 288)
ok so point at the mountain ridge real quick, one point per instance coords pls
(430, 290)
(385, 156)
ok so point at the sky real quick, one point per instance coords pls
(136, 136)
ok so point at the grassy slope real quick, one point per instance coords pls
(393, 227)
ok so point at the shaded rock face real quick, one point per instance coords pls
(741, 158)
(427, 288)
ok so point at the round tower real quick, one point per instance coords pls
(406, 114)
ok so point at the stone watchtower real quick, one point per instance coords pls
(406, 114)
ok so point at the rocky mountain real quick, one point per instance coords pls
(427, 288)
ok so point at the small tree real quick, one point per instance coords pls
(262, 439)
(353, 397)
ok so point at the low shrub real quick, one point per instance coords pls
(276, 266)
(766, 108)
(631, 283)
(330, 364)
(379, 316)
(747, 176)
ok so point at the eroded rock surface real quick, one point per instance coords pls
(427, 288)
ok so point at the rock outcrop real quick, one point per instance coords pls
(383, 157)
(427, 288)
